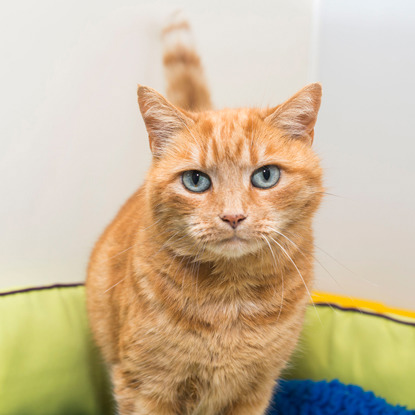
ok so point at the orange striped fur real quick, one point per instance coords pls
(186, 83)
(194, 316)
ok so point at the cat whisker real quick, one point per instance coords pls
(305, 256)
(196, 263)
(171, 264)
(282, 280)
(299, 273)
(166, 243)
(327, 194)
(332, 194)
(119, 253)
(322, 266)
(130, 247)
(282, 295)
(109, 289)
(346, 268)
(319, 262)
(286, 237)
(150, 226)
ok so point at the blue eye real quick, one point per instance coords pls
(196, 181)
(265, 177)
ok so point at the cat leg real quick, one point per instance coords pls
(131, 400)
(141, 405)
(249, 408)
(255, 402)
(258, 407)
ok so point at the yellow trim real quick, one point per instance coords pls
(323, 297)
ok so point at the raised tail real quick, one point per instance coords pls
(186, 83)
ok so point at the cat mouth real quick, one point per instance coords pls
(233, 240)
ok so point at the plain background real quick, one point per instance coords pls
(73, 145)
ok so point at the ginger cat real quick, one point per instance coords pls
(197, 290)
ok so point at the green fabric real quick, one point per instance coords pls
(49, 366)
(370, 351)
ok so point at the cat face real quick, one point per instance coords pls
(223, 182)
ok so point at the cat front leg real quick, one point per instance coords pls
(255, 402)
(141, 405)
(130, 399)
(131, 402)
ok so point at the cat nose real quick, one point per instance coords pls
(233, 220)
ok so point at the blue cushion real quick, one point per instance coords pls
(306, 397)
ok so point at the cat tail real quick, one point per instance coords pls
(186, 83)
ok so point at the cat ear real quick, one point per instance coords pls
(162, 119)
(298, 115)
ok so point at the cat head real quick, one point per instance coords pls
(222, 183)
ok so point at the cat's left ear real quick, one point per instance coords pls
(297, 116)
(162, 119)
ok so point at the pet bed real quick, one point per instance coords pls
(49, 365)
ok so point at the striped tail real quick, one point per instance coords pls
(186, 83)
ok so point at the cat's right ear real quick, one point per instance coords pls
(162, 119)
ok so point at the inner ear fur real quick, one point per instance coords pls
(297, 116)
(162, 119)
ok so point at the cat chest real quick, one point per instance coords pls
(206, 347)
(199, 362)
(203, 367)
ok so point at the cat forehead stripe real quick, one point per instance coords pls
(226, 138)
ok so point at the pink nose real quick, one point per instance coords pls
(233, 220)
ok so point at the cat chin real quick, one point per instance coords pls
(233, 248)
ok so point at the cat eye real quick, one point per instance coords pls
(196, 181)
(265, 177)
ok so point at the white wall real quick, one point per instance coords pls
(365, 58)
(73, 146)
